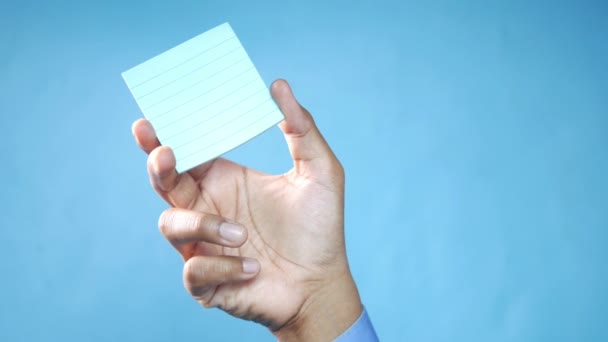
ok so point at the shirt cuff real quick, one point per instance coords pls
(361, 331)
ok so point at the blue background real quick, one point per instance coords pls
(473, 133)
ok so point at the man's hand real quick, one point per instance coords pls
(262, 247)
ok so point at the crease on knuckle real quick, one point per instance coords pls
(206, 225)
(197, 223)
(222, 269)
(193, 274)
(196, 284)
(165, 221)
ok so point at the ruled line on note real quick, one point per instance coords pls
(183, 62)
(203, 94)
(198, 110)
(201, 81)
(220, 141)
(201, 136)
(190, 73)
(203, 97)
(208, 118)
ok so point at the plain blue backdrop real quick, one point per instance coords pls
(474, 136)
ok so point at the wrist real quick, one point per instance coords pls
(326, 313)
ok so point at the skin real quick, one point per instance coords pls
(266, 248)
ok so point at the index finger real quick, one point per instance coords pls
(145, 136)
(146, 139)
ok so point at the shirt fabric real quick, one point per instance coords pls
(361, 331)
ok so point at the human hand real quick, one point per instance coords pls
(267, 248)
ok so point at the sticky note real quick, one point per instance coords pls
(203, 97)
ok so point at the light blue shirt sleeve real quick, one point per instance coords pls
(361, 331)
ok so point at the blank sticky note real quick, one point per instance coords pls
(203, 97)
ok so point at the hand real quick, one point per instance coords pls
(263, 247)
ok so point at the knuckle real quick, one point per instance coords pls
(193, 273)
(165, 221)
(223, 268)
(206, 304)
(199, 275)
(199, 222)
(336, 170)
(149, 162)
(206, 297)
(152, 165)
(205, 225)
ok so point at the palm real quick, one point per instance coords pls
(281, 214)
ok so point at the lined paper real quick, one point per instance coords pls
(203, 97)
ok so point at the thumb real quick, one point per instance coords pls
(310, 153)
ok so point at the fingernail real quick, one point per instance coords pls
(250, 266)
(232, 232)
